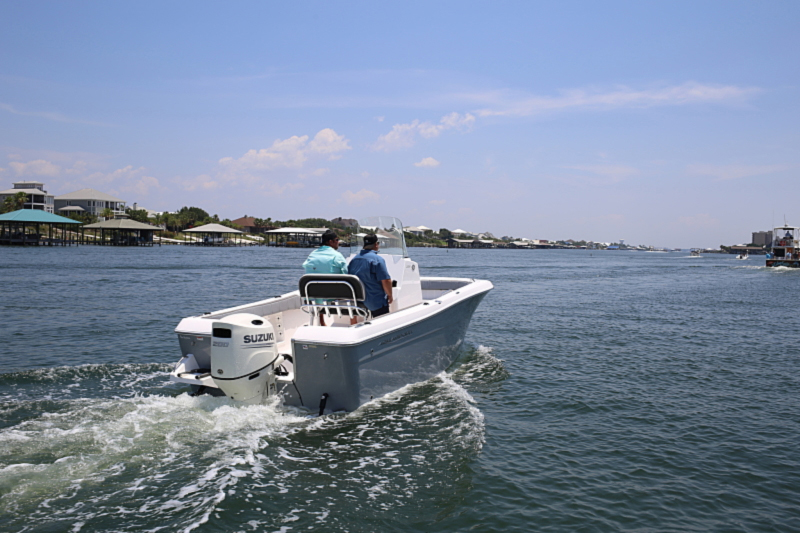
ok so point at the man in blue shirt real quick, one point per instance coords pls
(326, 260)
(371, 270)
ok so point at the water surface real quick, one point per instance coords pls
(599, 391)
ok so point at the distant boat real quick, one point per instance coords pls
(743, 255)
(694, 253)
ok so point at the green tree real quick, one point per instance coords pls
(139, 215)
(15, 202)
(190, 216)
(86, 218)
(107, 213)
(157, 219)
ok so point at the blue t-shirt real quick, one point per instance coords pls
(325, 260)
(371, 270)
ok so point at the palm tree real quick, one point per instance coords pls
(107, 213)
(15, 202)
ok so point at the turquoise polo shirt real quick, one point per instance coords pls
(325, 260)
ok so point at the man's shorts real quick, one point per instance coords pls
(382, 311)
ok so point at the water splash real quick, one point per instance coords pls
(128, 459)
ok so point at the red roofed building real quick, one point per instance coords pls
(248, 224)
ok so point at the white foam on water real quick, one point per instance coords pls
(94, 446)
(399, 447)
(174, 460)
(782, 269)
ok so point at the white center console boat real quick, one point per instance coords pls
(278, 346)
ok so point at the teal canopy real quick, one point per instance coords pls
(36, 216)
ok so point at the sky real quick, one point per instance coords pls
(670, 124)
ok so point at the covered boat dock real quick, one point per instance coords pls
(217, 235)
(295, 237)
(26, 227)
(469, 243)
(120, 231)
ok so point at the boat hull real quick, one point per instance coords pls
(352, 375)
(348, 364)
(790, 263)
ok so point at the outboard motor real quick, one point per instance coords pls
(244, 357)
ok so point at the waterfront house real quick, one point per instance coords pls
(37, 196)
(89, 201)
(346, 222)
(248, 224)
(419, 231)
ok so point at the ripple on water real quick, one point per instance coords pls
(148, 460)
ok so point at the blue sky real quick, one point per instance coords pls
(664, 123)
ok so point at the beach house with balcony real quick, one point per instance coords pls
(89, 201)
(37, 196)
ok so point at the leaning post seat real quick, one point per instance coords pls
(338, 294)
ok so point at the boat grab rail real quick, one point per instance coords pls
(332, 294)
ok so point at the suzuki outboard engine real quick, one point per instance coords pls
(244, 357)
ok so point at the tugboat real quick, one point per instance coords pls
(785, 250)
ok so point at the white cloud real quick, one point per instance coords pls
(360, 197)
(283, 153)
(291, 153)
(142, 185)
(405, 135)
(731, 172)
(316, 173)
(128, 180)
(202, 182)
(428, 162)
(506, 103)
(328, 142)
(39, 167)
(401, 136)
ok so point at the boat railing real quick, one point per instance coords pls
(332, 294)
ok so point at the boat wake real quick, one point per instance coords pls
(782, 269)
(116, 447)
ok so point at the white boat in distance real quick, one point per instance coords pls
(277, 346)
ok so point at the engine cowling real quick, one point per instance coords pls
(244, 357)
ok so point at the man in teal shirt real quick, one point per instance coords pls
(326, 260)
